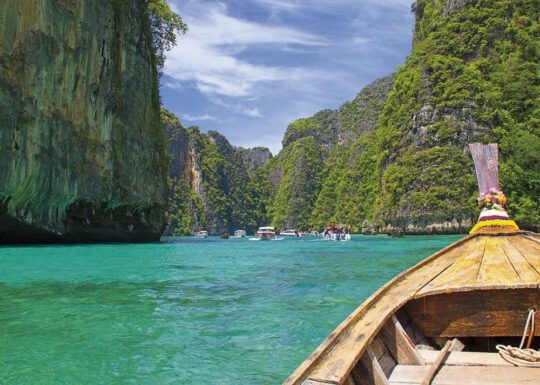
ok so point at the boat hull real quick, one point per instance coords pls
(472, 295)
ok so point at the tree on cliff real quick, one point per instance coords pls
(165, 25)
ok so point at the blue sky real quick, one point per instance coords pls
(248, 68)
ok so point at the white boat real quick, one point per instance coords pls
(201, 234)
(337, 236)
(314, 233)
(240, 234)
(289, 233)
(266, 233)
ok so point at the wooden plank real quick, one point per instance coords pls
(399, 344)
(373, 367)
(382, 354)
(524, 269)
(462, 274)
(350, 381)
(334, 359)
(436, 365)
(535, 237)
(457, 345)
(310, 382)
(466, 358)
(529, 249)
(377, 345)
(467, 375)
(485, 313)
(496, 268)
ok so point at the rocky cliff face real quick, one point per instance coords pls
(327, 169)
(212, 184)
(82, 151)
(254, 158)
(472, 76)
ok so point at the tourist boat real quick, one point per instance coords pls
(266, 233)
(201, 234)
(451, 318)
(240, 234)
(289, 233)
(314, 233)
(303, 234)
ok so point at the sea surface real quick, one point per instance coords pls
(185, 310)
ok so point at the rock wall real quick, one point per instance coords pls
(212, 184)
(82, 152)
(472, 77)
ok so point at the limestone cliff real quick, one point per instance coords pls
(327, 169)
(472, 76)
(82, 152)
(212, 184)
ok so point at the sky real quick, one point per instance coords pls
(249, 68)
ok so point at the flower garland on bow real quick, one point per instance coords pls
(492, 200)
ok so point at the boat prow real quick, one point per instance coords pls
(478, 290)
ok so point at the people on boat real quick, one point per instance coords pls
(337, 232)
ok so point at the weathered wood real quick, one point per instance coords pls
(486, 164)
(496, 268)
(436, 365)
(466, 358)
(334, 359)
(335, 367)
(311, 382)
(487, 313)
(529, 249)
(522, 266)
(411, 329)
(399, 344)
(466, 375)
(463, 272)
(457, 345)
(350, 381)
(373, 367)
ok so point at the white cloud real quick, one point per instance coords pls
(252, 112)
(207, 56)
(237, 108)
(296, 6)
(361, 40)
(193, 118)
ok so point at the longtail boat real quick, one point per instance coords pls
(464, 315)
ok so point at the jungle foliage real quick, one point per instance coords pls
(398, 153)
(217, 189)
(473, 75)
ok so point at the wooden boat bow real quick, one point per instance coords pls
(479, 262)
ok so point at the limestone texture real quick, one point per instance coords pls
(82, 149)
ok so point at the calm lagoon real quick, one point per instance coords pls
(185, 311)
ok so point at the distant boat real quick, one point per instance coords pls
(240, 234)
(303, 234)
(289, 233)
(451, 318)
(337, 236)
(201, 234)
(314, 233)
(266, 233)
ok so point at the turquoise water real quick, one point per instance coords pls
(184, 311)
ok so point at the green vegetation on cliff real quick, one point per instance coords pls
(472, 76)
(82, 149)
(327, 170)
(216, 187)
(396, 157)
